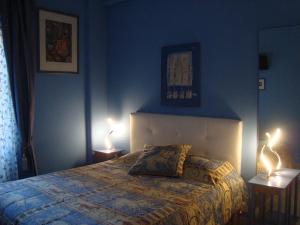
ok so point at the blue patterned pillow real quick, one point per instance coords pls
(161, 161)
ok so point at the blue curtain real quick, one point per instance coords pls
(18, 19)
(9, 138)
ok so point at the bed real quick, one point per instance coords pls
(105, 193)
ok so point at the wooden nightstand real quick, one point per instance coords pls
(101, 155)
(281, 186)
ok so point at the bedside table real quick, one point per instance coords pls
(276, 185)
(101, 155)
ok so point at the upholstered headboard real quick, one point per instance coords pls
(211, 137)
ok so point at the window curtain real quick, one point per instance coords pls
(18, 19)
(9, 138)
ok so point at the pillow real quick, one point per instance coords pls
(198, 174)
(206, 170)
(161, 161)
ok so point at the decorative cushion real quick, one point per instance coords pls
(161, 161)
(206, 170)
(192, 172)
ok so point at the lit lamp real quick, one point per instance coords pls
(114, 128)
(270, 158)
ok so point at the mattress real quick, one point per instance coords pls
(104, 193)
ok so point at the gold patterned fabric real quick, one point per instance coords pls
(215, 169)
(161, 161)
(199, 174)
(219, 173)
(106, 194)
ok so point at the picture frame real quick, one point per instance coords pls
(180, 75)
(261, 84)
(58, 42)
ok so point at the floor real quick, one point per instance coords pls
(244, 220)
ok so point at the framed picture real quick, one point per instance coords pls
(58, 42)
(180, 75)
(261, 84)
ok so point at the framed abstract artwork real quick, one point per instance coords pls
(58, 42)
(180, 75)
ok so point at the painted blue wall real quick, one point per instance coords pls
(67, 105)
(272, 14)
(71, 109)
(279, 103)
(227, 31)
(96, 63)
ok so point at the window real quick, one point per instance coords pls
(9, 141)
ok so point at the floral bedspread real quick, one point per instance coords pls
(104, 193)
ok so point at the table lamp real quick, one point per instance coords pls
(270, 159)
(114, 128)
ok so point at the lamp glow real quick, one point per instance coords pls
(107, 142)
(272, 141)
(266, 161)
(110, 121)
(117, 128)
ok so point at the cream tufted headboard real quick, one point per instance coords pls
(212, 137)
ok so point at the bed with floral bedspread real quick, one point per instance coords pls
(105, 194)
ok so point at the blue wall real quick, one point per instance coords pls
(71, 109)
(67, 104)
(279, 103)
(96, 63)
(227, 32)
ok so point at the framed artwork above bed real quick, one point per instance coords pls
(58, 42)
(180, 75)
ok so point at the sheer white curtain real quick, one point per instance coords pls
(9, 139)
